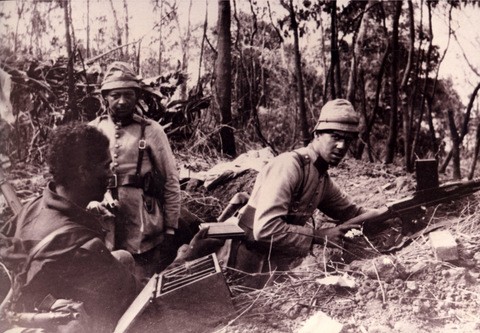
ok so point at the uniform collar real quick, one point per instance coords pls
(318, 161)
(78, 214)
(135, 118)
(122, 121)
(320, 164)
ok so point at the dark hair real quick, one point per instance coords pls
(74, 145)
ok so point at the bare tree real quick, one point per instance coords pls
(298, 72)
(70, 77)
(455, 145)
(360, 36)
(184, 42)
(475, 153)
(463, 132)
(117, 26)
(333, 77)
(127, 28)
(88, 29)
(20, 9)
(223, 74)
(393, 134)
(407, 116)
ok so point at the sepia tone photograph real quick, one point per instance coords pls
(239, 166)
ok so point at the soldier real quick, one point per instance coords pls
(145, 180)
(290, 188)
(58, 256)
(73, 263)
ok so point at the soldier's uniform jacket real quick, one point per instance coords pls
(283, 207)
(144, 227)
(74, 265)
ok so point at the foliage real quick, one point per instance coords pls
(39, 100)
(264, 90)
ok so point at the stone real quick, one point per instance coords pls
(444, 245)
(320, 319)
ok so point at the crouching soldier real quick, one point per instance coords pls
(290, 188)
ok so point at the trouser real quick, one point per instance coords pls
(256, 265)
(158, 258)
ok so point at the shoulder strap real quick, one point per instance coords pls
(142, 145)
(304, 161)
(47, 239)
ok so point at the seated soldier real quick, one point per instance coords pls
(73, 263)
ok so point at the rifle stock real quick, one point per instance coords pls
(374, 215)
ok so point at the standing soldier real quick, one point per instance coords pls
(145, 182)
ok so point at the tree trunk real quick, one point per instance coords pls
(333, 73)
(407, 121)
(365, 135)
(357, 51)
(127, 28)
(455, 145)
(160, 39)
(392, 137)
(20, 9)
(464, 131)
(202, 45)
(475, 153)
(88, 30)
(424, 92)
(117, 27)
(185, 54)
(73, 114)
(299, 76)
(223, 76)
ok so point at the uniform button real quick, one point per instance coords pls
(117, 145)
(117, 135)
(115, 155)
(115, 164)
(117, 127)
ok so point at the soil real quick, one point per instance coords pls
(404, 291)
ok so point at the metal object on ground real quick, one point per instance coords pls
(193, 297)
(426, 174)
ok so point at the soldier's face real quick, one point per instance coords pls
(98, 174)
(121, 102)
(333, 145)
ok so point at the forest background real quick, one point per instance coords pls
(229, 76)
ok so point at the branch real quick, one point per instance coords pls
(465, 56)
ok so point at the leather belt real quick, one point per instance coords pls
(125, 180)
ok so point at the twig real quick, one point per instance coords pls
(244, 311)
(379, 282)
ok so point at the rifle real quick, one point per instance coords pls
(30, 319)
(428, 193)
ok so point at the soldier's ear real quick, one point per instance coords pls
(83, 173)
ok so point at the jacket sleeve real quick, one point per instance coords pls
(165, 162)
(337, 204)
(272, 199)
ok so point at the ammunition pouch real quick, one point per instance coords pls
(153, 184)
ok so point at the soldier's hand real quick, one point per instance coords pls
(332, 235)
(98, 208)
(201, 245)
